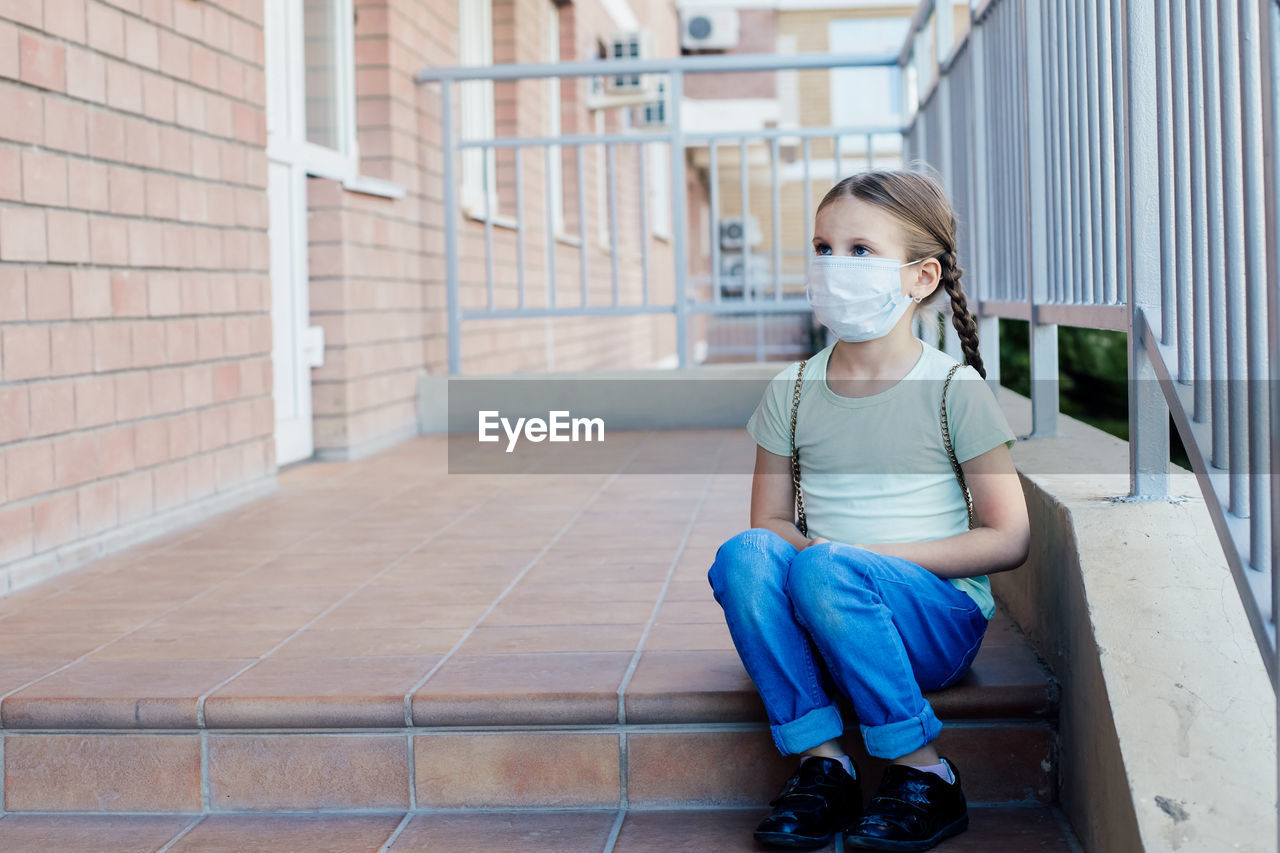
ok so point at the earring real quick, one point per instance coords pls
(917, 299)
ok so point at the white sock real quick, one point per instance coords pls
(941, 769)
(845, 761)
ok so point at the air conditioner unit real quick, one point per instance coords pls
(709, 29)
(734, 233)
(733, 269)
(632, 44)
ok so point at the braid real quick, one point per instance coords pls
(966, 327)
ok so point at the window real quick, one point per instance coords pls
(555, 178)
(866, 96)
(311, 86)
(475, 47)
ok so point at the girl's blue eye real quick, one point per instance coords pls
(857, 250)
(824, 250)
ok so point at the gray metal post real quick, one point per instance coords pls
(1043, 337)
(679, 216)
(448, 151)
(1148, 411)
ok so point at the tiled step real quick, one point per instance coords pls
(992, 829)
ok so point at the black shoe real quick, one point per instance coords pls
(911, 810)
(818, 801)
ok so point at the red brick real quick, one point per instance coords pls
(204, 67)
(171, 485)
(95, 401)
(26, 352)
(55, 521)
(109, 241)
(158, 11)
(190, 105)
(162, 196)
(204, 157)
(43, 63)
(148, 344)
(65, 18)
(201, 477)
(197, 386)
(72, 345)
(30, 469)
(17, 537)
(23, 109)
(195, 294)
(112, 346)
(86, 75)
(180, 341)
(65, 126)
(151, 443)
(69, 237)
(226, 382)
(142, 138)
(228, 467)
(48, 294)
(135, 496)
(13, 294)
(97, 507)
(53, 408)
(106, 135)
(240, 422)
(210, 337)
(129, 294)
(44, 178)
(179, 245)
(124, 87)
(230, 77)
(22, 234)
(8, 50)
(133, 396)
(90, 293)
(87, 185)
(146, 243)
(75, 459)
(184, 434)
(213, 428)
(106, 28)
(115, 450)
(188, 19)
(141, 43)
(167, 392)
(10, 174)
(15, 423)
(175, 55)
(222, 295)
(158, 98)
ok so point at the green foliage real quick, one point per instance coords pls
(1093, 372)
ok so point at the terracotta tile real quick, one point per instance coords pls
(118, 694)
(173, 643)
(209, 616)
(692, 686)
(1005, 680)
(696, 589)
(1033, 829)
(405, 616)
(21, 672)
(369, 642)
(725, 831)
(384, 595)
(318, 692)
(701, 610)
(523, 689)
(102, 773)
(570, 613)
(49, 618)
(527, 832)
(689, 636)
(531, 590)
(89, 833)
(733, 768)
(301, 772)
(553, 638)
(521, 769)
(312, 833)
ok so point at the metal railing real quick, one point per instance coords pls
(1117, 163)
(777, 288)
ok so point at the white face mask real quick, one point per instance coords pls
(858, 299)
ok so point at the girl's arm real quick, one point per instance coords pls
(773, 498)
(1000, 542)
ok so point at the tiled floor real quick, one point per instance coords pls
(386, 636)
(992, 829)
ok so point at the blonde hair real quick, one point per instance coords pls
(919, 203)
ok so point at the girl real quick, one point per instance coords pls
(886, 586)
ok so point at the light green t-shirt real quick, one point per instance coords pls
(874, 469)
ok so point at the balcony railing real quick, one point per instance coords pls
(1117, 163)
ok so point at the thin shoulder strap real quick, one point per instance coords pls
(946, 439)
(802, 523)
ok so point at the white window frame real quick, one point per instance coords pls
(287, 134)
(840, 77)
(476, 109)
(659, 169)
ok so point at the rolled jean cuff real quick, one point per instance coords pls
(818, 726)
(895, 739)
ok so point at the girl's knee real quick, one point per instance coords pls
(749, 559)
(820, 571)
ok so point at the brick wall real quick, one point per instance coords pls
(134, 295)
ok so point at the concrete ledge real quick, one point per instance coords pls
(25, 572)
(1167, 724)
(368, 447)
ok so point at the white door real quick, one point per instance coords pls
(293, 342)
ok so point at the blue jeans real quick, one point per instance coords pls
(886, 628)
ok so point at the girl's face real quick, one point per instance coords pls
(853, 227)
